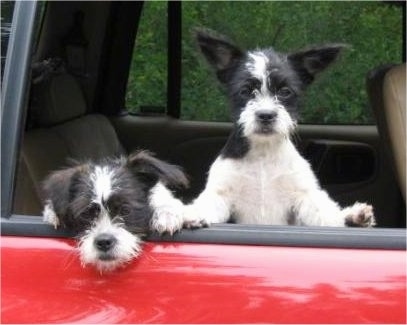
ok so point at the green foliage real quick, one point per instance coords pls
(372, 29)
(147, 84)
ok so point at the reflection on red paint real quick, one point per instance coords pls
(43, 282)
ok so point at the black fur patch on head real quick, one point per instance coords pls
(60, 188)
(282, 82)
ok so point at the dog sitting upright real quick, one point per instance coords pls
(111, 204)
(259, 176)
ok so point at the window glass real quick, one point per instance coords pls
(7, 8)
(338, 96)
(147, 84)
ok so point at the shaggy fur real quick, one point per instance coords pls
(111, 204)
(259, 176)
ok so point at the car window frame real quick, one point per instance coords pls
(15, 86)
(241, 234)
(14, 103)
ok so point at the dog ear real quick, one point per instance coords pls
(221, 53)
(151, 170)
(55, 189)
(309, 63)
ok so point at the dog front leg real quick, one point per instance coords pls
(210, 207)
(49, 215)
(316, 208)
(167, 210)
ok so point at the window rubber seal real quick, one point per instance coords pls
(240, 234)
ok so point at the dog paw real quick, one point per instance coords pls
(195, 224)
(192, 220)
(49, 215)
(360, 215)
(166, 221)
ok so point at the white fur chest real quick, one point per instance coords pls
(258, 195)
(261, 187)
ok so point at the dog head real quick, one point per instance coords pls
(264, 85)
(107, 204)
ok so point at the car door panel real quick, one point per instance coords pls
(202, 283)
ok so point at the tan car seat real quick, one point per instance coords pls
(387, 92)
(62, 130)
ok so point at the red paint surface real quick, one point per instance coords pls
(43, 282)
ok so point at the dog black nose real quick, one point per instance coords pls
(266, 116)
(104, 242)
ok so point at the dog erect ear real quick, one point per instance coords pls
(310, 62)
(55, 189)
(218, 51)
(151, 170)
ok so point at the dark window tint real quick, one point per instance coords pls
(7, 8)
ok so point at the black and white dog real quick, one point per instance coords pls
(259, 176)
(112, 204)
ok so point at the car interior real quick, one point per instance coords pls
(76, 110)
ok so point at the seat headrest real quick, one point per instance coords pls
(395, 85)
(58, 100)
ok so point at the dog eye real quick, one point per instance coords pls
(88, 214)
(284, 92)
(93, 210)
(124, 211)
(246, 91)
(249, 89)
